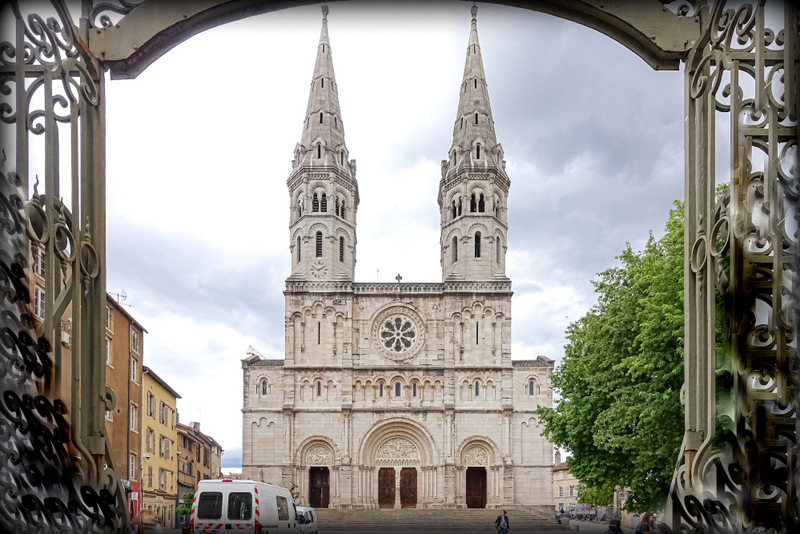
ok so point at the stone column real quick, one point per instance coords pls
(397, 504)
(449, 485)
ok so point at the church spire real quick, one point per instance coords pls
(473, 191)
(474, 123)
(322, 185)
(323, 117)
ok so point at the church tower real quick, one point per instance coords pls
(473, 192)
(322, 185)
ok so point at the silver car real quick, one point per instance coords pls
(307, 518)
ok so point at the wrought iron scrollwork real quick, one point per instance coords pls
(102, 12)
(743, 478)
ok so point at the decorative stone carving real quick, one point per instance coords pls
(319, 455)
(397, 333)
(475, 455)
(397, 452)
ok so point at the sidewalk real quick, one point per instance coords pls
(589, 526)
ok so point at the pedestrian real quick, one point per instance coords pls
(613, 527)
(663, 528)
(646, 524)
(501, 523)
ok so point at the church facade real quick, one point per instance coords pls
(402, 394)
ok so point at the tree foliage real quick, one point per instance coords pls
(620, 412)
(185, 508)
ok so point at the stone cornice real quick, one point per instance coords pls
(502, 287)
(465, 175)
(303, 173)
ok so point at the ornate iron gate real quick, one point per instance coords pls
(742, 250)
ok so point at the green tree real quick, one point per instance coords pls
(620, 412)
(185, 508)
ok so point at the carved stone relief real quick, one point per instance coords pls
(397, 452)
(475, 455)
(319, 455)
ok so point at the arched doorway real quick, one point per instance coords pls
(479, 469)
(397, 457)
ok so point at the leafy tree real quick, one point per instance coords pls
(620, 412)
(185, 508)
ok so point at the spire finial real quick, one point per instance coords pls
(474, 12)
(325, 12)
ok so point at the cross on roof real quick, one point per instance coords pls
(398, 278)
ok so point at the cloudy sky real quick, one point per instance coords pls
(200, 146)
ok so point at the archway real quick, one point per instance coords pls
(706, 48)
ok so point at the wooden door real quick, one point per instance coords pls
(476, 487)
(386, 481)
(408, 487)
(319, 482)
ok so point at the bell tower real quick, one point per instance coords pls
(322, 186)
(473, 191)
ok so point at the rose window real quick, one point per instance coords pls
(397, 334)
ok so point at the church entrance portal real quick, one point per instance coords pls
(408, 487)
(476, 487)
(319, 482)
(386, 482)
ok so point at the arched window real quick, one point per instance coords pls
(341, 158)
(478, 152)
(263, 387)
(323, 82)
(342, 209)
(320, 118)
(397, 389)
(319, 151)
(530, 387)
(481, 204)
(497, 249)
(454, 209)
(462, 123)
(477, 388)
(341, 249)
(337, 205)
(476, 118)
(476, 83)
(459, 207)
(299, 208)
(336, 122)
(324, 203)
(414, 389)
(314, 203)
(319, 333)
(455, 249)
(319, 388)
(477, 244)
(473, 206)
(380, 389)
(319, 244)
(496, 207)
(299, 249)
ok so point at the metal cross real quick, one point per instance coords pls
(398, 278)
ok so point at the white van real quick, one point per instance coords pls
(307, 517)
(222, 506)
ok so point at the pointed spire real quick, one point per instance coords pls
(474, 123)
(323, 125)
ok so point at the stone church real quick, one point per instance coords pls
(399, 394)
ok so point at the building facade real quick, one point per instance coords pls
(159, 450)
(403, 394)
(565, 487)
(199, 458)
(124, 354)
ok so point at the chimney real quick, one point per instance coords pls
(196, 426)
(558, 456)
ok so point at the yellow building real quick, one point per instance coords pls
(565, 487)
(159, 449)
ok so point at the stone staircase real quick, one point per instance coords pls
(433, 520)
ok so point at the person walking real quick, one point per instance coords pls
(501, 523)
(646, 524)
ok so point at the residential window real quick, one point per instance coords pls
(132, 467)
(109, 319)
(38, 303)
(38, 265)
(150, 440)
(150, 476)
(561, 491)
(134, 417)
(134, 370)
(151, 405)
(561, 475)
(109, 361)
(135, 341)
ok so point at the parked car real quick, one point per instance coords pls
(308, 519)
(228, 505)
